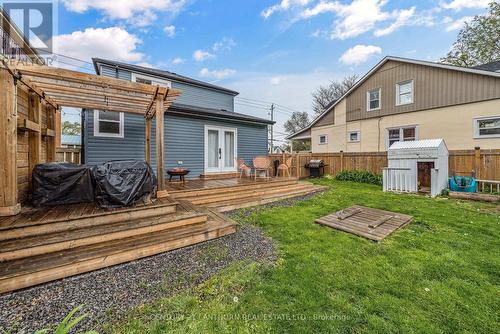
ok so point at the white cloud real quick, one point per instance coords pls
(402, 19)
(283, 5)
(359, 54)
(177, 61)
(200, 55)
(278, 79)
(137, 12)
(169, 30)
(145, 64)
(455, 24)
(216, 74)
(224, 44)
(465, 4)
(112, 43)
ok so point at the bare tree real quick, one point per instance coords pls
(325, 95)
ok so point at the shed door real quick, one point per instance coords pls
(424, 175)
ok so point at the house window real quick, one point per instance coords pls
(487, 127)
(353, 136)
(401, 134)
(404, 93)
(108, 124)
(148, 80)
(323, 139)
(373, 99)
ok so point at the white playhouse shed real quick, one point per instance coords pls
(420, 165)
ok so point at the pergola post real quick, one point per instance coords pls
(147, 142)
(34, 137)
(8, 145)
(160, 136)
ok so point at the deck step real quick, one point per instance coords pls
(21, 273)
(54, 242)
(181, 194)
(207, 200)
(246, 203)
(49, 224)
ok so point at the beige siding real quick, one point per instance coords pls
(458, 131)
(433, 88)
(326, 119)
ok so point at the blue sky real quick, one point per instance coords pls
(268, 50)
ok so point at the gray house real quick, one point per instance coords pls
(202, 131)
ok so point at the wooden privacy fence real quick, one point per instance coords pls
(64, 154)
(485, 163)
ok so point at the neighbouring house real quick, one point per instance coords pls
(71, 141)
(202, 131)
(404, 99)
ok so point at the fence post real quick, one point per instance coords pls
(477, 161)
(341, 161)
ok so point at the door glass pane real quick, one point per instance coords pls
(228, 149)
(213, 149)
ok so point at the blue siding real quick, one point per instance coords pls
(191, 95)
(184, 140)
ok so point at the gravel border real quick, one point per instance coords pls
(115, 290)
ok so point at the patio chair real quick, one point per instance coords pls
(285, 167)
(261, 164)
(243, 167)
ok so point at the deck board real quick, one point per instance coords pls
(373, 224)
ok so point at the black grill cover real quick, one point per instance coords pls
(62, 183)
(121, 183)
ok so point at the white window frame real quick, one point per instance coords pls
(319, 140)
(401, 129)
(358, 133)
(154, 80)
(97, 133)
(398, 94)
(379, 99)
(475, 126)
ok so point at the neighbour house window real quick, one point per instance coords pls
(401, 134)
(108, 124)
(323, 139)
(373, 99)
(404, 93)
(353, 136)
(487, 127)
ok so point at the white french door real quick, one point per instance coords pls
(220, 149)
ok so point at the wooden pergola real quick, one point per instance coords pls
(56, 87)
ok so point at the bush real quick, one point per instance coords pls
(360, 176)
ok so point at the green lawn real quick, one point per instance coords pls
(440, 274)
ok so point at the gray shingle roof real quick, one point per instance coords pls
(190, 111)
(160, 73)
(494, 66)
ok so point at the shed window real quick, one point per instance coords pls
(401, 134)
(487, 127)
(353, 136)
(404, 92)
(108, 124)
(373, 99)
(323, 139)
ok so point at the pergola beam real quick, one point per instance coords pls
(160, 140)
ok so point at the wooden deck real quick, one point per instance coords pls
(230, 194)
(373, 224)
(199, 184)
(41, 245)
(44, 244)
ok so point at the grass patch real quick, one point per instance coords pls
(440, 274)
